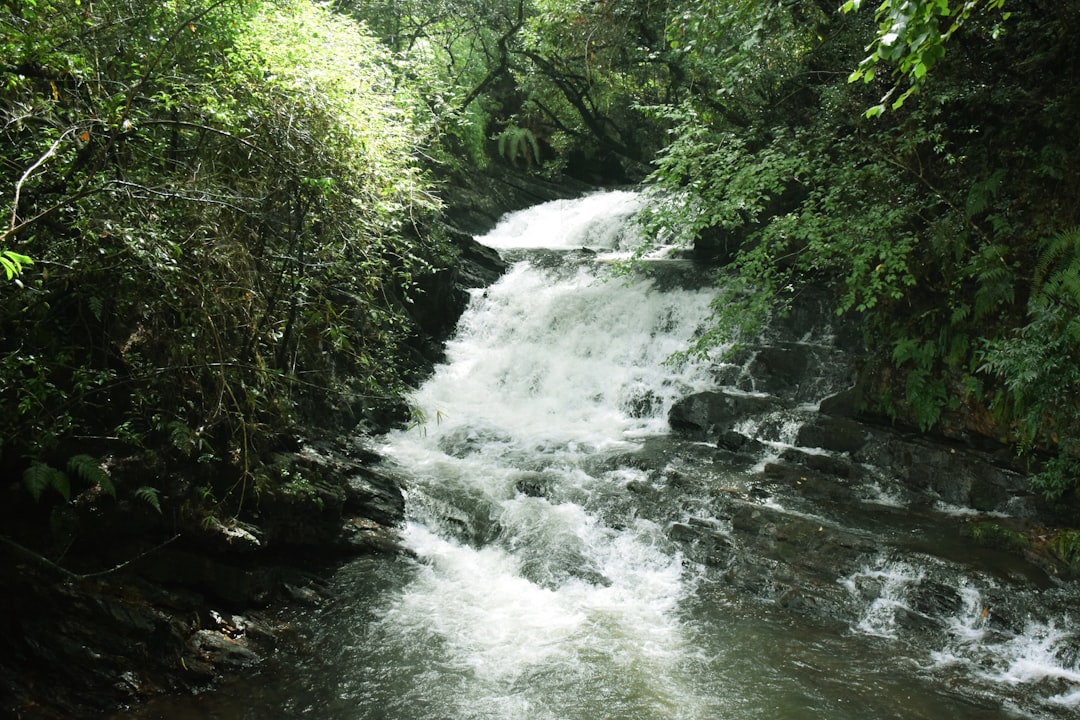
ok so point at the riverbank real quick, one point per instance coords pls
(772, 515)
(110, 601)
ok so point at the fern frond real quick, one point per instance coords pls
(517, 142)
(960, 313)
(982, 194)
(39, 477)
(87, 468)
(1063, 285)
(1063, 247)
(150, 496)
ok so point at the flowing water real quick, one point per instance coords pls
(548, 581)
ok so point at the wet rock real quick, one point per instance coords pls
(640, 403)
(362, 536)
(705, 414)
(215, 648)
(807, 483)
(737, 442)
(375, 494)
(828, 464)
(956, 475)
(841, 404)
(833, 433)
(779, 369)
(302, 594)
(477, 265)
(534, 484)
(703, 543)
(444, 294)
(936, 599)
(826, 550)
(475, 202)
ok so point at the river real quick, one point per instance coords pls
(551, 576)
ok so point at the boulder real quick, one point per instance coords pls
(837, 434)
(706, 414)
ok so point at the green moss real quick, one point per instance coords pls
(993, 535)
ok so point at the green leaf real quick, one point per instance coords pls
(88, 468)
(151, 496)
(39, 477)
(13, 263)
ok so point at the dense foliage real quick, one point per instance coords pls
(947, 224)
(218, 198)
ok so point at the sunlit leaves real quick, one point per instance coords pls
(329, 71)
(911, 39)
(13, 263)
(217, 197)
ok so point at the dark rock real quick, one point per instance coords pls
(737, 442)
(215, 648)
(833, 433)
(808, 483)
(705, 414)
(231, 536)
(375, 494)
(703, 543)
(475, 203)
(827, 464)
(777, 368)
(444, 294)
(477, 265)
(238, 583)
(955, 474)
(360, 536)
(842, 404)
(533, 484)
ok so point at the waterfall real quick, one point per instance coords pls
(542, 594)
(571, 559)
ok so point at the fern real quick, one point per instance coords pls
(1067, 546)
(515, 142)
(151, 496)
(1057, 271)
(996, 289)
(995, 280)
(181, 436)
(39, 477)
(982, 194)
(87, 468)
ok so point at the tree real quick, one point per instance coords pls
(929, 223)
(220, 197)
(911, 36)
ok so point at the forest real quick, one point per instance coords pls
(218, 216)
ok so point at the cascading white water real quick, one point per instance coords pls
(549, 580)
(543, 608)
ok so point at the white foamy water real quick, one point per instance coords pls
(884, 586)
(544, 584)
(548, 359)
(597, 222)
(542, 608)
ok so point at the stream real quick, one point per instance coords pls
(573, 559)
